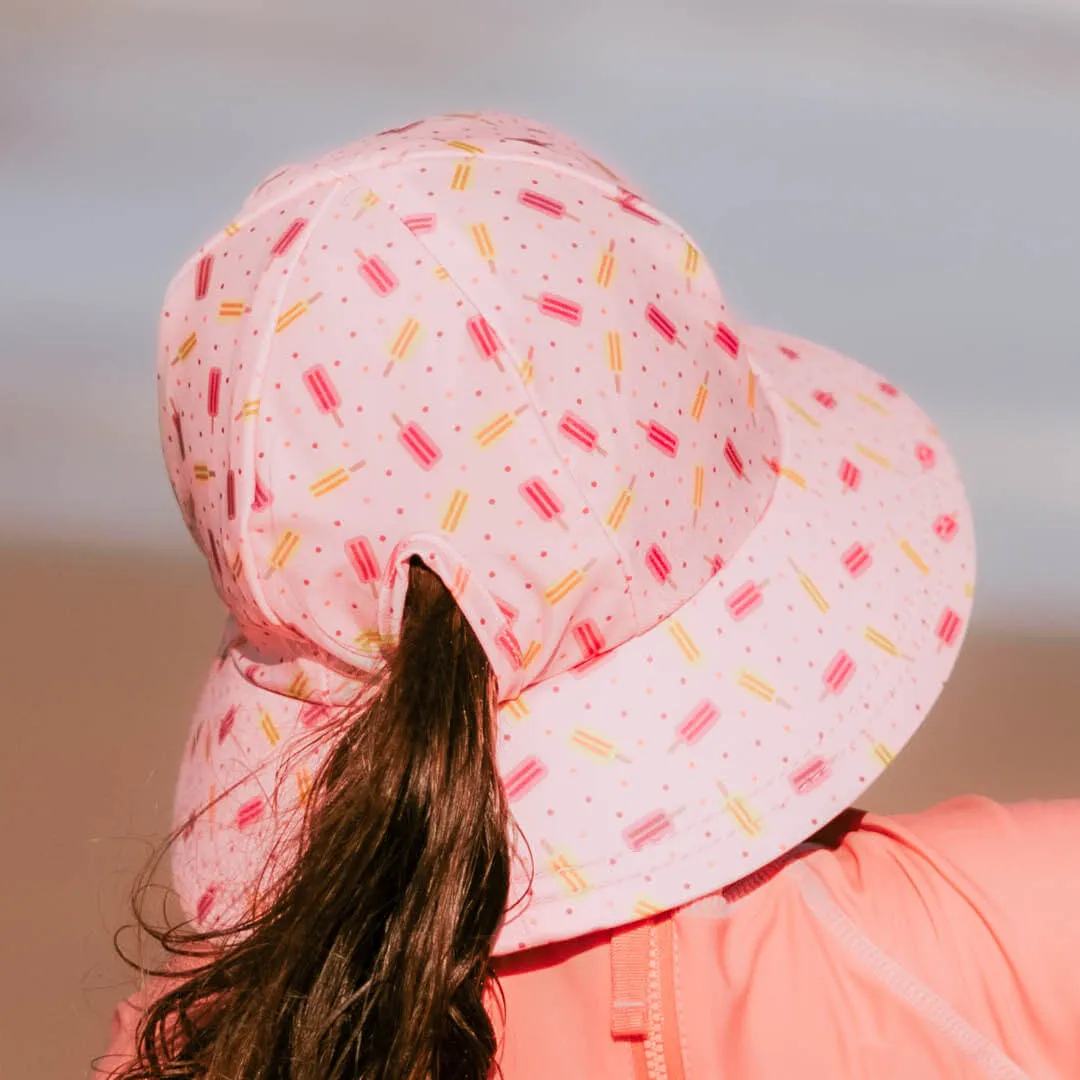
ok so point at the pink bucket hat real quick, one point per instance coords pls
(721, 573)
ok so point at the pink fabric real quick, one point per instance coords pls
(721, 572)
(941, 945)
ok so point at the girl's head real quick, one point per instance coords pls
(509, 508)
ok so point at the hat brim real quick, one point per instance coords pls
(774, 697)
(719, 739)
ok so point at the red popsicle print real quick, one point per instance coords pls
(824, 399)
(850, 475)
(546, 204)
(659, 565)
(509, 645)
(838, 674)
(589, 639)
(629, 202)
(249, 813)
(726, 338)
(697, 723)
(226, 724)
(230, 494)
(261, 497)
(313, 713)
(543, 500)
(857, 559)
(523, 778)
(946, 527)
(377, 274)
(558, 307)
(287, 238)
(734, 459)
(949, 626)
(178, 426)
(663, 325)
(925, 455)
(485, 339)
(665, 440)
(323, 392)
(811, 775)
(745, 599)
(213, 395)
(417, 441)
(419, 224)
(362, 559)
(584, 434)
(202, 276)
(205, 904)
(510, 612)
(888, 388)
(649, 830)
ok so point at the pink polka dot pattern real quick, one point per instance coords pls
(721, 573)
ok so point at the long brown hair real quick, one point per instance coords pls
(372, 957)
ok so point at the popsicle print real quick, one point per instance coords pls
(687, 646)
(810, 588)
(664, 439)
(527, 371)
(404, 343)
(288, 237)
(299, 309)
(462, 177)
(734, 459)
(455, 511)
(382, 280)
(698, 496)
(333, 479)
(496, 428)
(850, 475)
(568, 874)
(839, 672)
(421, 447)
(916, 559)
(651, 829)
(202, 276)
(558, 307)
(229, 310)
(365, 201)
(323, 392)
(873, 455)
(925, 455)
(596, 746)
(567, 584)
(726, 338)
(590, 641)
(615, 361)
(230, 495)
(284, 550)
(663, 325)
(880, 641)
(213, 395)
(605, 270)
(581, 432)
(857, 559)
(187, 346)
(810, 775)
(696, 724)
(701, 397)
(746, 599)
(420, 224)
(630, 203)
(754, 684)
(739, 809)
(202, 473)
(659, 565)
(621, 507)
(824, 399)
(691, 263)
(521, 779)
(946, 527)
(547, 505)
(948, 628)
(261, 497)
(545, 204)
(485, 248)
(507, 643)
(487, 342)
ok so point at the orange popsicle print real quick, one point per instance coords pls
(566, 585)
(687, 646)
(605, 271)
(757, 686)
(496, 428)
(596, 746)
(701, 396)
(621, 506)
(301, 307)
(698, 498)
(484, 246)
(186, 347)
(462, 178)
(465, 147)
(333, 479)
(404, 343)
(878, 639)
(455, 511)
(269, 728)
(203, 473)
(914, 556)
(613, 344)
(284, 550)
(743, 814)
(811, 589)
(232, 309)
(517, 707)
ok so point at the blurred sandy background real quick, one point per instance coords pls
(896, 178)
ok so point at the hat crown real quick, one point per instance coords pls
(465, 340)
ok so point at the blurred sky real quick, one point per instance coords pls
(897, 178)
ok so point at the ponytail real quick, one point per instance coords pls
(372, 957)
